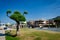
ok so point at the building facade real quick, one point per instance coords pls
(41, 23)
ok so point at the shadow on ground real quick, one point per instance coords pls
(8, 34)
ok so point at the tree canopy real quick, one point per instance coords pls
(17, 16)
(57, 20)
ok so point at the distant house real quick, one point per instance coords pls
(22, 24)
(41, 23)
(31, 24)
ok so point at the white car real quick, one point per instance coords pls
(2, 26)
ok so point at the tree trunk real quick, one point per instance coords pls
(17, 28)
(56, 25)
(49, 24)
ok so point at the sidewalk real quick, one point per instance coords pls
(2, 34)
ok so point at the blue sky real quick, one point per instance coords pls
(37, 9)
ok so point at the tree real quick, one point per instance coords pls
(17, 17)
(25, 12)
(57, 21)
(8, 12)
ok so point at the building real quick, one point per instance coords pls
(41, 23)
(22, 24)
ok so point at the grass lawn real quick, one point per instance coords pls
(32, 34)
(12, 38)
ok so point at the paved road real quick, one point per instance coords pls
(2, 34)
(51, 29)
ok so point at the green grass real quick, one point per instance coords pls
(12, 38)
(9, 35)
(32, 34)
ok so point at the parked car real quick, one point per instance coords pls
(2, 26)
(5, 28)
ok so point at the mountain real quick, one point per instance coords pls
(56, 18)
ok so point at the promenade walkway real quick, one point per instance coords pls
(2, 34)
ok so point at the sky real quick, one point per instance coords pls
(37, 9)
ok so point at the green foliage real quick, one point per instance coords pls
(12, 38)
(6, 25)
(25, 12)
(17, 16)
(57, 20)
(37, 38)
(8, 12)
